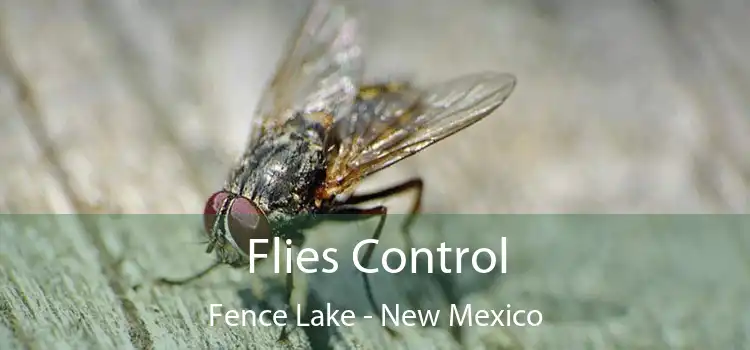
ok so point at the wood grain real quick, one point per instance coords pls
(131, 113)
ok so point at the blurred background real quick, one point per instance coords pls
(620, 106)
(111, 106)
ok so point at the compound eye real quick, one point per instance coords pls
(246, 222)
(213, 206)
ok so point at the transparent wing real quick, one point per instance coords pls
(391, 124)
(320, 71)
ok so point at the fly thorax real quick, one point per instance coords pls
(285, 171)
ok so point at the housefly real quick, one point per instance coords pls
(319, 130)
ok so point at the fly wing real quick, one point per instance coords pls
(320, 71)
(397, 123)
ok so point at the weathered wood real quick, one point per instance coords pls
(112, 107)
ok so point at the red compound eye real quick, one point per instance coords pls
(246, 221)
(213, 206)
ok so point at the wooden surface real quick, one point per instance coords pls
(123, 108)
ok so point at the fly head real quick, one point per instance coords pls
(231, 221)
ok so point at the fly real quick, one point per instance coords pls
(319, 130)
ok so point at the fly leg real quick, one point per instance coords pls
(186, 280)
(364, 260)
(295, 295)
(284, 335)
(415, 184)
